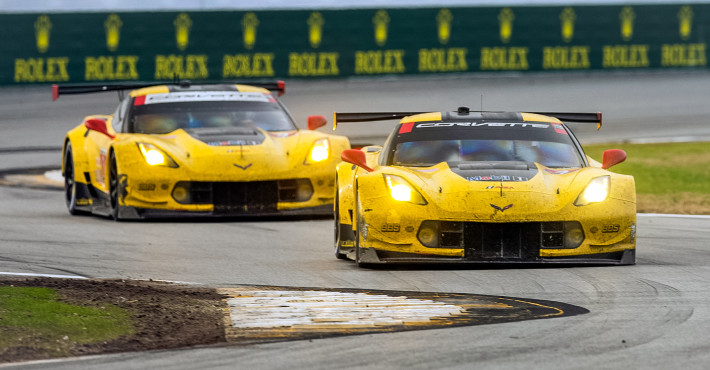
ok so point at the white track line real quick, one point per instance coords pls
(672, 215)
(42, 275)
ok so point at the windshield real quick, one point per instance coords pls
(429, 153)
(167, 117)
(453, 141)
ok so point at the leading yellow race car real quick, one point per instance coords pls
(190, 150)
(482, 187)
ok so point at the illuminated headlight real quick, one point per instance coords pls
(402, 191)
(154, 156)
(596, 191)
(320, 151)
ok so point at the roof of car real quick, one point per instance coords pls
(162, 89)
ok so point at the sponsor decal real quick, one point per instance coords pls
(242, 167)
(562, 171)
(201, 96)
(607, 229)
(315, 29)
(594, 229)
(567, 18)
(381, 20)
(390, 228)
(43, 26)
(496, 178)
(113, 31)
(505, 24)
(249, 27)
(502, 209)
(482, 124)
(182, 24)
(232, 142)
(498, 187)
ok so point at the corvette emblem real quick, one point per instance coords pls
(502, 209)
(242, 167)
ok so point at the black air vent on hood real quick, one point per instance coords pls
(228, 136)
(494, 171)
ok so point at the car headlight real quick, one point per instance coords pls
(320, 151)
(155, 157)
(596, 191)
(402, 191)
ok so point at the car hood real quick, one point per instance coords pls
(252, 153)
(489, 190)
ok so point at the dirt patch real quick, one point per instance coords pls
(164, 315)
(676, 203)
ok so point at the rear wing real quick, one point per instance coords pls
(384, 116)
(279, 86)
(576, 117)
(369, 117)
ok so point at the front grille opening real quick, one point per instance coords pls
(505, 241)
(450, 234)
(552, 235)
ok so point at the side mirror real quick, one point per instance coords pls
(356, 157)
(98, 125)
(316, 121)
(612, 157)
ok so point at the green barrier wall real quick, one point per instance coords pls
(95, 47)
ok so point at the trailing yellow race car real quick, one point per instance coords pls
(482, 187)
(189, 150)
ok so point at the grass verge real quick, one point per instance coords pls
(670, 177)
(34, 318)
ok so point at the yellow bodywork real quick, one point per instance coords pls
(382, 223)
(282, 155)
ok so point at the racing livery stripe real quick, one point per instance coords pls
(406, 127)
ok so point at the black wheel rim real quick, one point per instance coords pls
(113, 184)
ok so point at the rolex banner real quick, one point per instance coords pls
(238, 45)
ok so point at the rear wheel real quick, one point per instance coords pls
(358, 230)
(70, 182)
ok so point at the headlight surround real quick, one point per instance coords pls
(155, 156)
(596, 191)
(320, 151)
(402, 191)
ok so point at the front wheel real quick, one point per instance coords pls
(70, 182)
(113, 187)
(338, 253)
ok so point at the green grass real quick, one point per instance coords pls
(34, 318)
(670, 177)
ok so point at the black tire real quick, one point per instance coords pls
(358, 222)
(113, 187)
(336, 212)
(70, 182)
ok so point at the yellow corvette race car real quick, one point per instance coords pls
(190, 150)
(482, 187)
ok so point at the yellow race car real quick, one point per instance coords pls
(482, 187)
(190, 150)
